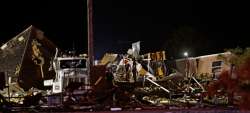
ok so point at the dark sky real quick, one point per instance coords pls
(174, 26)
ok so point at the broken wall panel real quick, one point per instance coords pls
(27, 57)
(11, 54)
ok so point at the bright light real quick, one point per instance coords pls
(21, 38)
(3, 46)
(185, 54)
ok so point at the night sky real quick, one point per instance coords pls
(175, 26)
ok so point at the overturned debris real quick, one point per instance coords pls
(25, 61)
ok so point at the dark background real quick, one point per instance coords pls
(175, 26)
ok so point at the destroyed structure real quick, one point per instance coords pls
(34, 69)
(25, 63)
(207, 66)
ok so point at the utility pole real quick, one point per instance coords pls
(90, 33)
